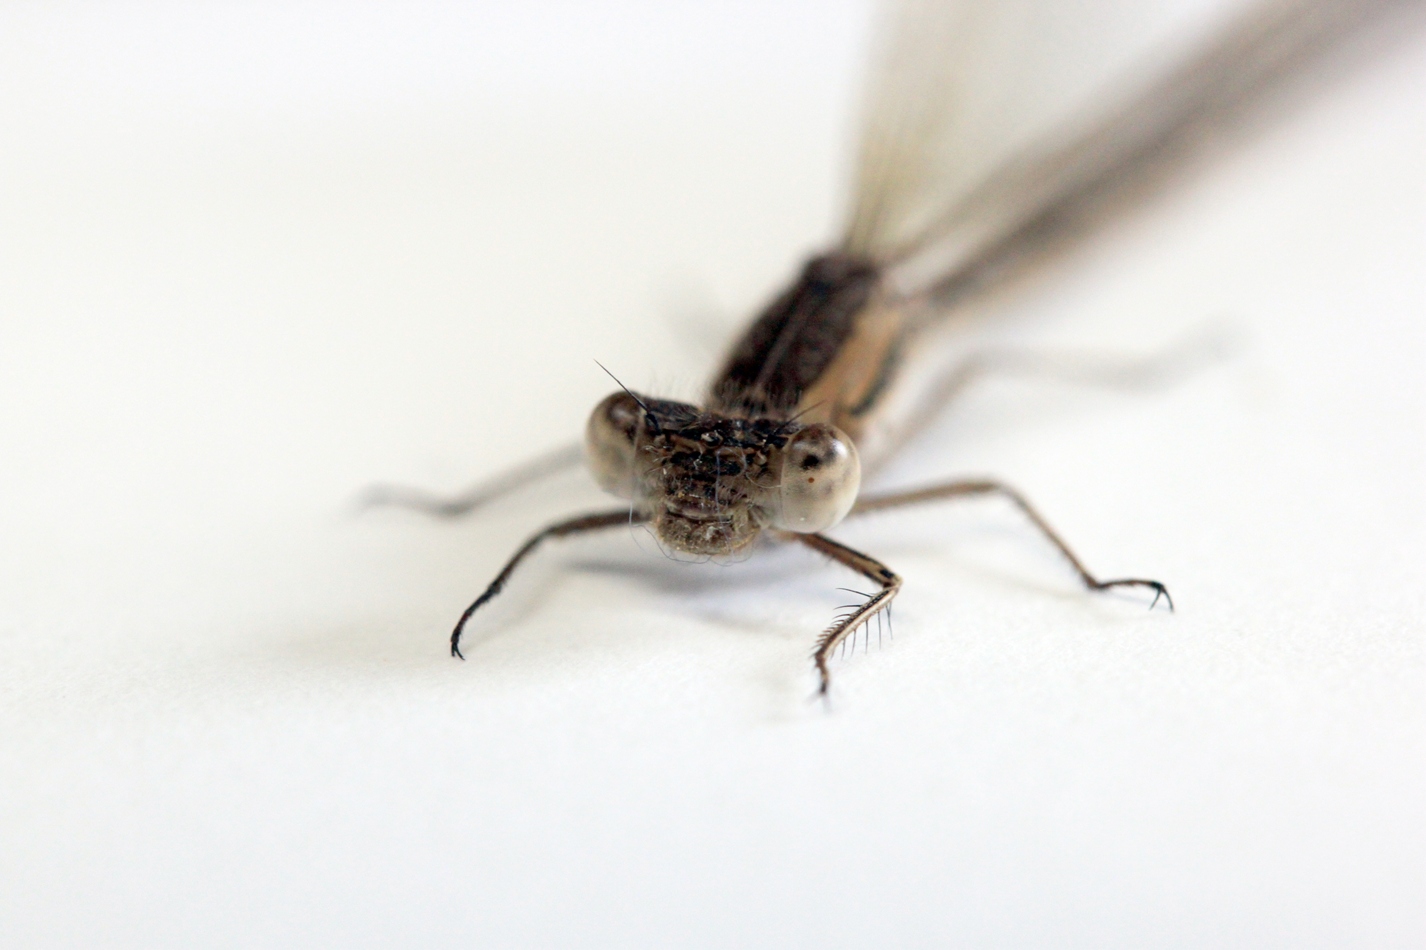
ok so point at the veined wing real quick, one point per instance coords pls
(993, 129)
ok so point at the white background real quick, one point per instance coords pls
(253, 258)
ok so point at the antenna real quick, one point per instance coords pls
(648, 413)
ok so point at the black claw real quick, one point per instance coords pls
(1160, 591)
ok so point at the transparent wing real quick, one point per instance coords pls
(959, 87)
(988, 123)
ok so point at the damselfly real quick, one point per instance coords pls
(953, 195)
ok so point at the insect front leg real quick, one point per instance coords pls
(845, 625)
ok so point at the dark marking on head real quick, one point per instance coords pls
(706, 475)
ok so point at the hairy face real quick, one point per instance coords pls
(709, 483)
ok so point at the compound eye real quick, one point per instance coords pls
(609, 443)
(820, 478)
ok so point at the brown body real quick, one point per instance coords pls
(781, 423)
(775, 450)
(826, 350)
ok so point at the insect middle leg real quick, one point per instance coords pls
(974, 488)
(579, 525)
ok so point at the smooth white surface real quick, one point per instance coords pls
(232, 296)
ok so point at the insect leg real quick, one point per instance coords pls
(476, 496)
(868, 567)
(1101, 370)
(579, 525)
(974, 488)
